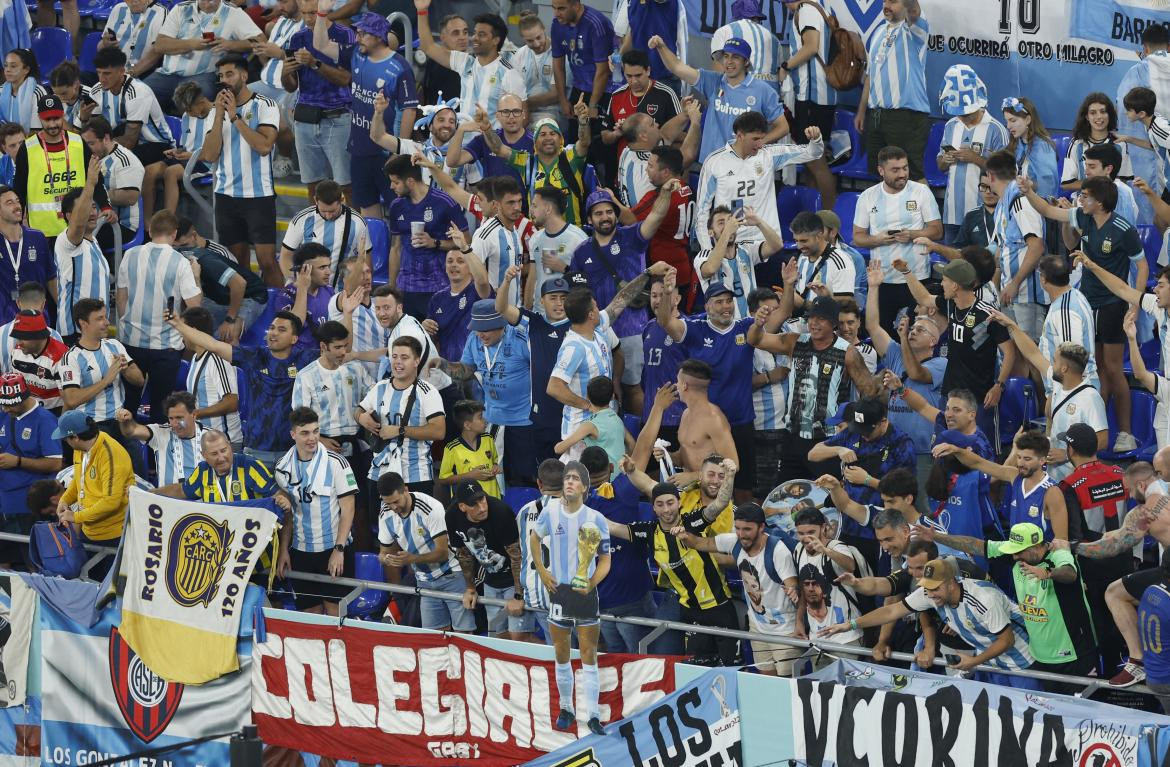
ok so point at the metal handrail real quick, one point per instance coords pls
(197, 196)
(408, 50)
(812, 647)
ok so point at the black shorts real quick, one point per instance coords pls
(1109, 320)
(313, 593)
(1136, 583)
(150, 153)
(808, 115)
(744, 437)
(371, 186)
(245, 219)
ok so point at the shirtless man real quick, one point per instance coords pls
(1151, 517)
(703, 430)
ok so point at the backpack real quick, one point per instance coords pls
(845, 68)
(57, 549)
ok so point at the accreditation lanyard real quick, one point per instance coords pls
(223, 484)
(17, 257)
(49, 162)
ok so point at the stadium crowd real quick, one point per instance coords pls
(557, 330)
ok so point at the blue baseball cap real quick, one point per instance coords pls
(71, 424)
(555, 285)
(597, 198)
(716, 289)
(838, 418)
(739, 47)
(484, 316)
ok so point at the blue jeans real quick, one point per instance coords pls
(624, 637)
(164, 86)
(440, 613)
(670, 642)
(321, 149)
(249, 311)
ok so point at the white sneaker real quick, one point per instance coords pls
(1124, 442)
(282, 166)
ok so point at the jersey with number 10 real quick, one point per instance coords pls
(669, 243)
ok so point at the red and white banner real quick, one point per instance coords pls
(419, 699)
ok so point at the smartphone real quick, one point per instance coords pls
(208, 36)
(110, 35)
(222, 87)
(894, 231)
(86, 99)
(952, 659)
(948, 148)
(1037, 424)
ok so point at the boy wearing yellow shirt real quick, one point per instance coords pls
(472, 455)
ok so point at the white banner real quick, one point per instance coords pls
(18, 607)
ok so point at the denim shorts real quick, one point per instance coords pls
(321, 149)
(498, 618)
(442, 613)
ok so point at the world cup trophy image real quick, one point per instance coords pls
(719, 690)
(588, 539)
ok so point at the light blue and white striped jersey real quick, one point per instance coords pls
(746, 182)
(1085, 406)
(483, 84)
(633, 180)
(832, 268)
(81, 367)
(1015, 221)
(879, 210)
(121, 169)
(564, 530)
(896, 55)
(416, 533)
(82, 272)
(332, 394)
(769, 401)
(413, 461)
(1158, 134)
(1074, 160)
(191, 132)
(1037, 161)
(579, 361)
(282, 31)
(809, 78)
(21, 107)
(1070, 319)
(536, 69)
(766, 51)
(135, 32)
(986, 136)
(7, 344)
(186, 22)
(150, 274)
(315, 487)
(1162, 318)
(367, 334)
(499, 247)
(310, 226)
(738, 273)
(134, 102)
(535, 593)
(983, 612)
(240, 171)
(210, 378)
(175, 457)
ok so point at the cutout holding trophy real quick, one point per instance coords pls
(570, 601)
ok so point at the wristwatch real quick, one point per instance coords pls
(315, 65)
(1073, 546)
(339, 548)
(229, 319)
(784, 66)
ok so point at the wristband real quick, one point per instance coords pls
(422, 13)
(465, 251)
(853, 623)
(19, 461)
(339, 548)
(784, 66)
(322, 14)
(900, 391)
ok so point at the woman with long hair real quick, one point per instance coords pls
(1030, 143)
(21, 91)
(1096, 124)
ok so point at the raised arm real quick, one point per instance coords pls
(659, 209)
(1042, 206)
(777, 343)
(972, 460)
(510, 313)
(426, 40)
(913, 399)
(195, 337)
(976, 547)
(666, 396)
(679, 68)
(693, 137)
(772, 238)
(664, 314)
(1141, 373)
(917, 289)
(1115, 284)
(712, 510)
(874, 274)
(841, 500)
(1024, 344)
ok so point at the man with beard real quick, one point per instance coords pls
(502, 240)
(439, 120)
(769, 583)
(694, 575)
(645, 135)
(554, 243)
(239, 142)
(959, 412)
(40, 190)
(449, 310)
(670, 243)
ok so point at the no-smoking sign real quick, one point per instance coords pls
(1099, 755)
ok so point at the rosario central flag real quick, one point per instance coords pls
(186, 566)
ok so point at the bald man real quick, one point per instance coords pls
(513, 116)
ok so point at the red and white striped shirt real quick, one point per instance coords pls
(40, 371)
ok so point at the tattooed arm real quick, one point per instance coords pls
(459, 371)
(517, 562)
(723, 497)
(976, 547)
(631, 289)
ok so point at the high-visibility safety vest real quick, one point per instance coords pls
(50, 176)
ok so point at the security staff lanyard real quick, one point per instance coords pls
(49, 163)
(17, 257)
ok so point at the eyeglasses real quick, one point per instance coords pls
(1014, 104)
(984, 188)
(510, 112)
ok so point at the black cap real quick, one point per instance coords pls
(749, 512)
(469, 493)
(809, 573)
(864, 415)
(663, 488)
(825, 307)
(1081, 439)
(49, 104)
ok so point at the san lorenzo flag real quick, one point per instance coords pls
(186, 566)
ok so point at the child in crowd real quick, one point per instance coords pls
(603, 428)
(472, 455)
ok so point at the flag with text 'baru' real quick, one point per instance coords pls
(186, 566)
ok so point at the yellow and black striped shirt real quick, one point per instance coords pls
(694, 575)
(247, 480)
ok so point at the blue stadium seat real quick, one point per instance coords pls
(856, 165)
(791, 200)
(1151, 244)
(1016, 407)
(1141, 422)
(845, 207)
(518, 497)
(370, 603)
(254, 335)
(98, 10)
(181, 378)
(935, 176)
(632, 423)
(89, 47)
(175, 125)
(379, 249)
(51, 46)
(1062, 143)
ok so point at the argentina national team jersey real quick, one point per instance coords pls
(310, 226)
(388, 403)
(417, 533)
(135, 32)
(368, 334)
(880, 210)
(570, 534)
(1158, 135)
(819, 383)
(1073, 168)
(134, 102)
(896, 54)
(282, 31)
(1015, 221)
(121, 169)
(811, 83)
(633, 179)
(483, 84)
(240, 170)
(82, 272)
(737, 273)
(315, 488)
(1070, 319)
(191, 132)
(174, 456)
(579, 361)
(186, 22)
(768, 400)
(985, 137)
(150, 274)
(535, 593)
(983, 612)
(81, 367)
(211, 378)
(500, 247)
(1028, 505)
(1037, 161)
(332, 394)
